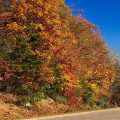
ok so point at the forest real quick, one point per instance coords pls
(46, 51)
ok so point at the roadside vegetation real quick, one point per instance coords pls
(53, 59)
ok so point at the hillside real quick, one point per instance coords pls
(46, 53)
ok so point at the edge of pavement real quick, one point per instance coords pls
(71, 114)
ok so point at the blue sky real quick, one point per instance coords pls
(105, 14)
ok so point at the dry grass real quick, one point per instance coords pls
(46, 107)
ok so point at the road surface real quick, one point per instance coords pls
(111, 114)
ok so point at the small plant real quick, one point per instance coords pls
(87, 95)
(33, 98)
(59, 99)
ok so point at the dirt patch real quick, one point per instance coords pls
(44, 107)
(9, 110)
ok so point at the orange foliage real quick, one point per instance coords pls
(72, 42)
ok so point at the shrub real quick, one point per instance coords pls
(59, 99)
(87, 95)
(33, 98)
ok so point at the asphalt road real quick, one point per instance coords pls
(111, 114)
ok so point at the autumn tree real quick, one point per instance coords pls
(55, 53)
(115, 87)
(92, 58)
(5, 42)
(37, 30)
